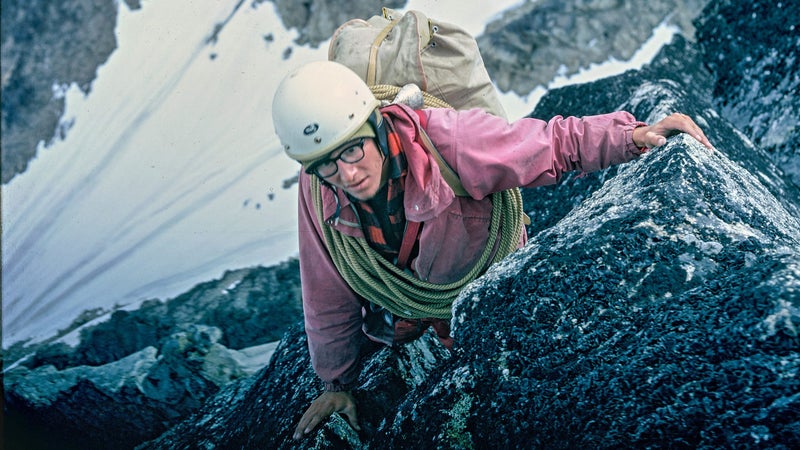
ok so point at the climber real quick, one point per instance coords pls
(375, 206)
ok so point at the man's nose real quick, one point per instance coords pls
(346, 170)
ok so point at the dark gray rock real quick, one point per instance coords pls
(753, 49)
(662, 311)
(45, 44)
(683, 85)
(262, 411)
(136, 398)
(142, 371)
(529, 45)
(250, 306)
(147, 393)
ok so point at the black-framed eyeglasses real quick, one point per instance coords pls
(328, 167)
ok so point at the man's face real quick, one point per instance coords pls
(361, 179)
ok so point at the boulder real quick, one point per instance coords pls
(133, 376)
(133, 399)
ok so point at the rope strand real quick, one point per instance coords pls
(378, 280)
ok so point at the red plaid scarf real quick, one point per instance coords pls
(383, 217)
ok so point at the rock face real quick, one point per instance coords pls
(754, 52)
(529, 45)
(136, 374)
(45, 47)
(148, 389)
(729, 44)
(262, 411)
(662, 311)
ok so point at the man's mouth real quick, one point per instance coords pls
(356, 186)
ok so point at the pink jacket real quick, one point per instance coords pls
(489, 155)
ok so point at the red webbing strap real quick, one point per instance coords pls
(423, 119)
(409, 240)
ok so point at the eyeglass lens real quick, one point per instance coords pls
(350, 155)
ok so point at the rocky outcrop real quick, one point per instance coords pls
(529, 45)
(136, 374)
(139, 395)
(45, 47)
(261, 412)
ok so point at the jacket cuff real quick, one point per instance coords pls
(629, 144)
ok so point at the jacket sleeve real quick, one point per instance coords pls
(491, 155)
(332, 311)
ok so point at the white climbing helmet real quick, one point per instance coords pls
(319, 107)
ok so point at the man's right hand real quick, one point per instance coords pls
(656, 135)
(322, 408)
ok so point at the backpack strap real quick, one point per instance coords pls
(450, 175)
(372, 67)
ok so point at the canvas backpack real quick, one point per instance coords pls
(395, 49)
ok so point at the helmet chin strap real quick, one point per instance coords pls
(335, 217)
(379, 125)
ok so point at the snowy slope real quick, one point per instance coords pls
(171, 172)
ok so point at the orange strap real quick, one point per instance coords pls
(409, 240)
